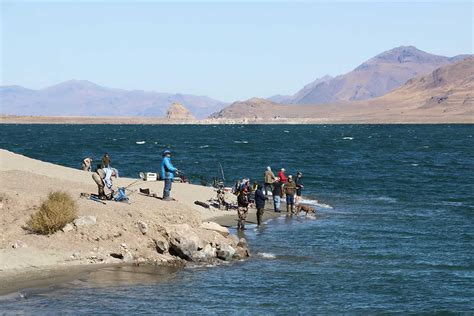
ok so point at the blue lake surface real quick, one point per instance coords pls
(395, 234)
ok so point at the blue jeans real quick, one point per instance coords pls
(290, 199)
(276, 203)
(167, 188)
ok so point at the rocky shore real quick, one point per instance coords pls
(147, 231)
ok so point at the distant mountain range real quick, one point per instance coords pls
(84, 98)
(375, 77)
(444, 95)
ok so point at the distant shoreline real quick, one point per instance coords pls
(109, 120)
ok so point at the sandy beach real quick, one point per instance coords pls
(28, 259)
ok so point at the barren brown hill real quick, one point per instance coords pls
(450, 88)
(373, 78)
(177, 111)
(445, 95)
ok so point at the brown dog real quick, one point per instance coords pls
(305, 208)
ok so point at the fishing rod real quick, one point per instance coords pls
(222, 171)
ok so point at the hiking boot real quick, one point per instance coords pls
(167, 198)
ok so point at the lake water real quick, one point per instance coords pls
(395, 232)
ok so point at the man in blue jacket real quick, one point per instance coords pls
(167, 174)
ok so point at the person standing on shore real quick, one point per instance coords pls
(106, 161)
(87, 164)
(167, 174)
(299, 186)
(282, 175)
(269, 179)
(290, 190)
(277, 194)
(259, 203)
(242, 209)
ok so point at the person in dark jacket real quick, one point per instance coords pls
(243, 208)
(299, 186)
(259, 203)
(106, 161)
(277, 193)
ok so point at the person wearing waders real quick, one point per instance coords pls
(290, 190)
(103, 179)
(259, 203)
(243, 208)
(167, 174)
(277, 194)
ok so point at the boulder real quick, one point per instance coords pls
(67, 228)
(242, 243)
(19, 244)
(127, 257)
(143, 227)
(207, 253)
(215, 227)
(241, 253)
(184, 242)
(225, 252)
(85, 220)
(162, 245)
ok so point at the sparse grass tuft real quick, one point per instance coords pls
(54, 213)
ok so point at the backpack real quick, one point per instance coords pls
(121, 196)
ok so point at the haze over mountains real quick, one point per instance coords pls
(84, 98)
(375, 77)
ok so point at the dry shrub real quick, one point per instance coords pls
(54, 213)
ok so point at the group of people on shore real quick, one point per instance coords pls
(280, 186)
(104, 173)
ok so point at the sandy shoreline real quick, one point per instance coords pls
(328, 119)
(29, 260)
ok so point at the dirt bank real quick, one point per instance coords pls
(146, 231)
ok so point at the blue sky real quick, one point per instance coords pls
(229, 51)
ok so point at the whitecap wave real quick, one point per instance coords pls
(204, 146)
(266, 255)
(140, 142)
(348, 138)
(316, 203)
(386, 199)
(286, 131)
(414, 164)
(241, 141)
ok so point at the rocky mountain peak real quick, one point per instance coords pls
(177, 111)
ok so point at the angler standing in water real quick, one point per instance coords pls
(299, 186)
(243, 208)
(290, 190)
(277, 194)
(167, 174)
(259, 203)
